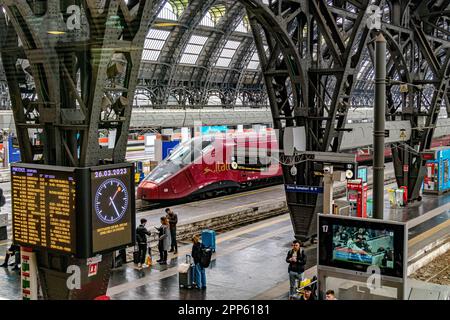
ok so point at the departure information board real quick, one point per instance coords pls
(77, 211)
(112, 202)
(43, 208)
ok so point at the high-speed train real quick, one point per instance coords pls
(210, 165)
(207, 166)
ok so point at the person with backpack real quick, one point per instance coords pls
(199, 270)
(141, 239)
(297, 259)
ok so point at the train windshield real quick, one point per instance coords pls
(183, 155)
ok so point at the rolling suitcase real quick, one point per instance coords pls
(186, 273)
(209, 239)
(136, 254)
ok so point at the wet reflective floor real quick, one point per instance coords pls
(249, 262)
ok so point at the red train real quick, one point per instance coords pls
(364, 156)
(211, 165)
(222, 164)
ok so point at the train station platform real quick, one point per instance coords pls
(248, 263)
(250, 260)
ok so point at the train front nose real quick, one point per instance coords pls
(147, 191)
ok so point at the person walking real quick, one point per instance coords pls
(173, 220)
(199, 271)
(14, 250)
(141, 239)
(164, 240)
(297, 259)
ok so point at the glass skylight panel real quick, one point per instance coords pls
(154, 42)
(227, 53)
(254, 61)
(193, 49)
(198, 40)
(223, 62)
(253, 65)
(241, 27)
(150, 55)
(158, 34)
(207, 21)
(232, 44)
(189, 58)
(167, 13)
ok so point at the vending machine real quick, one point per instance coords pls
(437, 178)
(357, 196)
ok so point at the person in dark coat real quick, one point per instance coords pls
(308, 294)
(297, 259)
(14, 250)
(164, 240)
(173, 220)
(199, 271)
(141, 239)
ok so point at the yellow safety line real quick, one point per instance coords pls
(428, 233)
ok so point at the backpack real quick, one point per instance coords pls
(205, 257)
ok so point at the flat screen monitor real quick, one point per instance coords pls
(356, 243)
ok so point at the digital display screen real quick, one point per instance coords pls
(112, 205)
(43, 208)
(363, 245)
(355, 243)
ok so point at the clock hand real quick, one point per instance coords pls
(115, 194)
(118, 215)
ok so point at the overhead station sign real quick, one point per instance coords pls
(79, 211)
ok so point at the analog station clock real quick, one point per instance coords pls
(111, 201)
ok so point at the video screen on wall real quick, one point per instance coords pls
(355, 244)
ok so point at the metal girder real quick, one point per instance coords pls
(422, 60)
(84, 80)
(310, 73)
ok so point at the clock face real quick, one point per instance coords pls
(111, 201)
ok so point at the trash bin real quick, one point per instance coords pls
(392, 201)
(370, 208)
(399, 197)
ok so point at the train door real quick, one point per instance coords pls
(180, 184)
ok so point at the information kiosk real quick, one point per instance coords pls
(362, 259)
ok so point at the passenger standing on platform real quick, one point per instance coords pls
(164, 240)
(297, 259)
(141, 239)
(330, 295)
(199, 271)
(307, 294)
(14, 250)
(173, 220)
